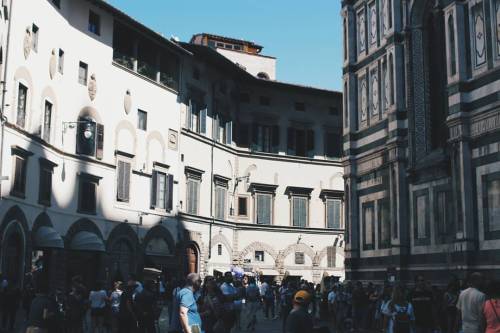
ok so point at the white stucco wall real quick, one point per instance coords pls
(253, 63)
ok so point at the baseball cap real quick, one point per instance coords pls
(302, 297)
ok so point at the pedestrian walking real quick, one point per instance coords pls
(75, 311)
(97, 299)
(399, 311)
(127, 316)
(450, 302)
(230, 295)
(299, 320)
(211, 312)
(470, 305)
(114, 301)
(252, 304)
(491, 309)
(146, 305)
(267, 294)
(42, 311)
(424, 305)
(185, 315)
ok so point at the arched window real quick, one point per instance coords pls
(451, 45)
(263, 75)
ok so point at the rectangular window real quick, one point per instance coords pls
(60, 64)
(299, 258)
(493, 204)
(193, 188)
(301, 142)
(264, 101)
(45, 185)
(299, 211)
(333, 145)
(331, 254)
(263, 208)
(47, 121)
(443, 215)
(123, 181)
(368, 226)
(219, 249)
(142, 120)
(299, 106)
(384, 223)
(333, 213)
(87, 193)
(94, 23)
(220, 202)
(265, 138)
(259, 256)
(242, 206)
(34, 37)
(197, 117)
(161, 190)
(22, 98)
(19, 183)
(82, 73)
(421, 216)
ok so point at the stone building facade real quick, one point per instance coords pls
(421, 137)
(121, 149)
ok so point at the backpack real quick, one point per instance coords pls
(401, 319)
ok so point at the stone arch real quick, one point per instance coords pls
(323, 253)
(300, 247)
(90, 112)
(122, 231)
(259, 246)
(126, 125)
(83, 224)
(159, 231)
(49, 94)
(154, 136)
(23, 76)
(42, 220)
(221, 239)
(121, 263)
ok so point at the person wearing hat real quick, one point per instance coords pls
(299, 320)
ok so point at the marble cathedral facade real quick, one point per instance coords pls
(421, 138)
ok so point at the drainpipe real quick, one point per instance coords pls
(3, 119)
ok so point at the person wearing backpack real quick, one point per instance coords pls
(401, 318)
(491, 309)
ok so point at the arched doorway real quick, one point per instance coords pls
(13, 255)
(192, 258)
(122, 260)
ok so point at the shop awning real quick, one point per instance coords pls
(271, 272)
(47, 237)
(86, 241)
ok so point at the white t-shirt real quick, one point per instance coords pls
(331, 297)
(115, 300)
(98, 299)
(263, 289)
(470, 303)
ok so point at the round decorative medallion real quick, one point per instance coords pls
(92, 87)
(53, 64)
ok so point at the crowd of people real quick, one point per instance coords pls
(230, 303)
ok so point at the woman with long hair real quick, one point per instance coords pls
(399, 311)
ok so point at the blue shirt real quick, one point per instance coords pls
(185, 298)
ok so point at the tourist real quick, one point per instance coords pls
(185, 316)
(127, 315)
(43, 309)
(252, 305)
(470, 305)
(359, 305)
(423, 303)
(384, 299)
(299, 320)
(114, 301)
(450, 299)
(75, 311)
(230, 295)
(146, 308)
(332, 295)
(267, 294)
(399, 311)
(97, 299)
(287, 292)
(211, 312)
(491, 308)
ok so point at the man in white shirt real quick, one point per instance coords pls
(470, 305)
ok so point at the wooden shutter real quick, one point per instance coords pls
(20, 176)
(123, 182)
(331, 252)
(310, 143)
(100, 141)
(154, 185)
(195, 197)
(291, 141)
(203, 120)
(170, 192)
(276, 139)
(229, 132)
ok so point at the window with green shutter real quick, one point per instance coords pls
(331, 254)
(333, 209)
(220, 202)
(299, 211)
(123, 181)
(263, 209)
(192, 196)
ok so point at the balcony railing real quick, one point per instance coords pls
(123, 59)
(147, 69)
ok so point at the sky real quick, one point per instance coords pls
(305, 36)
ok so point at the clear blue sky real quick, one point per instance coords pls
(305, 36)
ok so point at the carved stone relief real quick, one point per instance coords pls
(92, 87)
(363, 99)
(479, 35)
(373, 24)
(127, 102)
(375, 92)
(361, 32)
(172, 139)
(52, 64)
(27, 43)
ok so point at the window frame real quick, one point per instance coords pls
(195, 176)
(259, 189)
(21, 85)
(485, 180)
(421, 240)
(370, 205)
(93, 180)
(46, 167)
(122, 157)
(83, 80)
(20, 155)
(142, 120)
(260, 258)
(60, 61)
(246, 198)
(47, 135)
(162, 170)
(90, 26)
(35, 30)
(299, 193)
(330, 195)
(221, 184)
